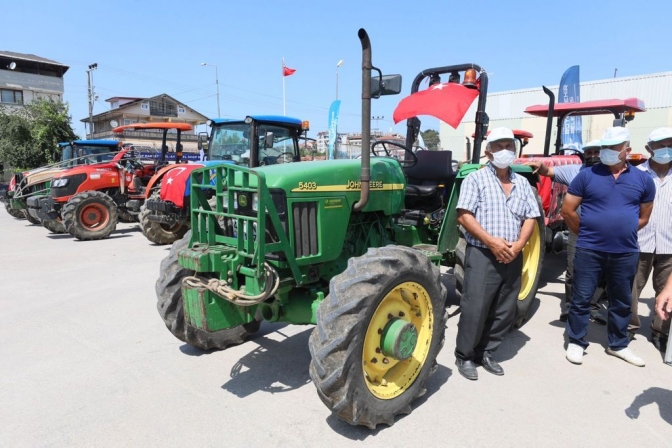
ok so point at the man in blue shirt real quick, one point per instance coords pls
(564, 175)
(497, 209)
(616, 201)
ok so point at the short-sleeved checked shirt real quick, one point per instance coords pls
(482, 194)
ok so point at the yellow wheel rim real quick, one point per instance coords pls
(530, 262)
(385, 376)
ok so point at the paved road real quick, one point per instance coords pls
(85, 361)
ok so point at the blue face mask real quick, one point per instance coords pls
(610, 157)
(662, 155)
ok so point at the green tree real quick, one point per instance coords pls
(29, 135)
(431, 138)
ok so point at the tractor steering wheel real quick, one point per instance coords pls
(285, 157)
(384, 143)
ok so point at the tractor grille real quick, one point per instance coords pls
(70, 188)
(305, 228)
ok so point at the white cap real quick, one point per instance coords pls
(660, 134)
(499, 134)
(615, 136)
(592, 144)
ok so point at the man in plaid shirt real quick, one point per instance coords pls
(497, 209)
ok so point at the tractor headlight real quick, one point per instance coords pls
(60, 183)
(255, 202)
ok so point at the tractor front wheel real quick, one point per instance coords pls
(18, 214)
(169, 295)
(32, 220)
(91, 215)
(54, 225)
(156, 232)
(378, 334)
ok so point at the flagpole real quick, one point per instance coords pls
(284, 111)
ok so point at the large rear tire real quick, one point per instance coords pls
(169, 304)
(156, 232)
(90, 215)
(18, 214)
(32, 220)
(356, 376)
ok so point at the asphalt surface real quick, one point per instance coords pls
(86, 361)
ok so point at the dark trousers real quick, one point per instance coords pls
(589, 266)
(600, 292)
(661, 265)
(488, 302)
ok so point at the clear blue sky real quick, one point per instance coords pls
(145, 48)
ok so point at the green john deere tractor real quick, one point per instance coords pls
(352, 246)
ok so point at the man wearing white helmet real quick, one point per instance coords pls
(497, 209)
(616, 200)
(655, 240)
(564, 175)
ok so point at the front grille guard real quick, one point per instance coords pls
(231, 182)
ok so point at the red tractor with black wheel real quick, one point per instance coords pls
(88, 201)
(551, 192)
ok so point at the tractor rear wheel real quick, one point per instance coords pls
(533, 260)
(54, 226)
(378, 334)
(18, 214)
(90, 215)
(156, 232)
(169, 295)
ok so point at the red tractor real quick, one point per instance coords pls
(87, 201)
(552, 193)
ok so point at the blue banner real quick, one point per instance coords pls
(569, 92)
(332, 125)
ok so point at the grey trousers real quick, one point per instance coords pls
(488, 303)
(661, 265)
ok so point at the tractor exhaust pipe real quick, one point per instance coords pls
(365, 177)
(549, 119)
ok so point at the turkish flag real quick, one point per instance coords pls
(286, 71)
(176, 182)
(448, 102)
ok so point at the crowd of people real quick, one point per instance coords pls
(616, 214)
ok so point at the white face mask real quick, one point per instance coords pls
(610, 157)
(662, 155)
(503, 159)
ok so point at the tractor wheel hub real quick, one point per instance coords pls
(399, 339)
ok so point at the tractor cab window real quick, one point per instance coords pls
(93, 154)
(229, 142)
(66, 153)
(284, 145)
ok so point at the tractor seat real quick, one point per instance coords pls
(432, 168)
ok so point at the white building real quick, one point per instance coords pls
(507, 109)
(25, 77)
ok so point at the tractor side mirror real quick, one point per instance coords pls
(202, 141)
(385, 85)
(269, 140)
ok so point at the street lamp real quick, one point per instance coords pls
(91, 95)
(338, 65)
(219, 115)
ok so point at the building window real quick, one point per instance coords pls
(180, 109)
(11, 96)
(127, 121)
(115, 104)
(144, 105)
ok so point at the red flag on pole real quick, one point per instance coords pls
(286, 71)
(448, 102)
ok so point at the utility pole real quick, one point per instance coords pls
(92, 96)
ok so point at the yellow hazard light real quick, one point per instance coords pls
(470, 78)
(305, 125)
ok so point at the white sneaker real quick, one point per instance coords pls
(575, 354)
(627, 355)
